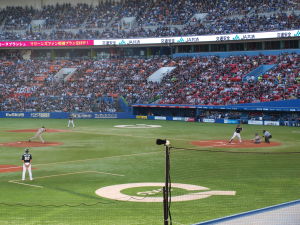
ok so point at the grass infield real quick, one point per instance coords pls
(95, 154)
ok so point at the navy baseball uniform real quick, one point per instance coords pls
(26, 159)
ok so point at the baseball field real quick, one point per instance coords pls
(110, 172)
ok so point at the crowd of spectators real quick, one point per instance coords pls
(152, 19)
(218, 81)
(31, 85)
(252, 23)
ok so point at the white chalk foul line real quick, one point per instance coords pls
(82, 160)
(63, 174)
(31, 185)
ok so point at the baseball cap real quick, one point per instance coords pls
(26, 150)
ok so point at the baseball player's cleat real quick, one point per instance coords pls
(29, 140)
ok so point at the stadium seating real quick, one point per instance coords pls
(31, 85)
(151, 19)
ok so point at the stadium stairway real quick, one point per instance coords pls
(258, 71)
(159, 74)
(64, 74)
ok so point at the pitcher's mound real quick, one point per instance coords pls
(233, 144)
(25, 144)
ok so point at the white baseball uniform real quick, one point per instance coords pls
(39, 134)
(71, 121)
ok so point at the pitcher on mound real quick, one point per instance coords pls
(38, 134)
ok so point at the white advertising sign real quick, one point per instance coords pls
(273, 123)
(199, 39)
(255, 122)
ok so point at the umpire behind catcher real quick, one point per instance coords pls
(267, 135)
(26, 159)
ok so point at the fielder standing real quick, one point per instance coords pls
(71, 121)
(237, 133)
(39, 134)
(26, 159)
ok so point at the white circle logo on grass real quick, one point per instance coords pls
(115, 192)
(138, 126)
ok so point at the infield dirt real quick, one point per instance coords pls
(233, 144)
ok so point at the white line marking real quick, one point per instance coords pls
(108, 157)
(83, 160)
(63, 174)
(32, 185)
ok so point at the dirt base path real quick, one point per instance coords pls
(10, 168)
(24, 144)
(35, 130)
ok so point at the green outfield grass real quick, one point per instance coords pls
(96, 154)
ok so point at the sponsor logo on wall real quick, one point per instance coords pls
(272, 123)
(208, 120)
(40, 115)
(14, 114)
(106, 116)
(81, 115)
(141, 117)
(255, 122)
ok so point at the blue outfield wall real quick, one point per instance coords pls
(292, 105)
(65, 115)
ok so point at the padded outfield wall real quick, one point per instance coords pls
(65, 115)
(286, 113)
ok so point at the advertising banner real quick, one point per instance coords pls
(149, 41)
(255, 122)
(65, 115)
(63, 43)
(272, 123)
(230, 121)
(141, 117)
(199, 39)
(160, 118)
(208, 120)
